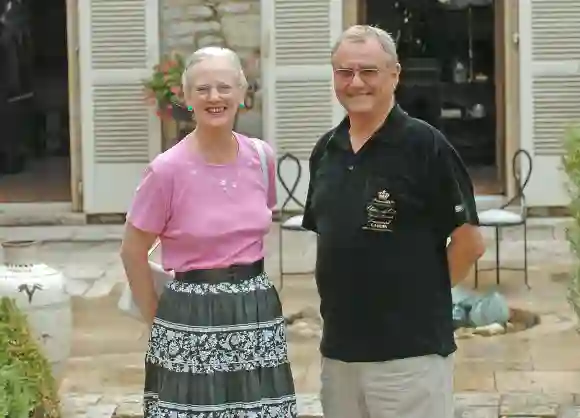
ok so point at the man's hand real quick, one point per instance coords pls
(134, 254)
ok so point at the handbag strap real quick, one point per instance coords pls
(259, 145)
(154, 247)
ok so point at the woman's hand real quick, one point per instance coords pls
(134, 254)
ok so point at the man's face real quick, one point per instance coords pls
(365, 76)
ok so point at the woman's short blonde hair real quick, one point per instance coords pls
(213, 52)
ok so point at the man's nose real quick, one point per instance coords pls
(356, 80)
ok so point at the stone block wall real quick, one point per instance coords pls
(186, 25)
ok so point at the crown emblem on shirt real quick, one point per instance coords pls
(383, 196)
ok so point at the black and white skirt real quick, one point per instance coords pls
(218, 350)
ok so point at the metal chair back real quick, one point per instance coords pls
(517, 171)
(290, 189)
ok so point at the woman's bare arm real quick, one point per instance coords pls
(134, 254)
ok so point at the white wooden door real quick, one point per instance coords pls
(119, 45)
(550, 91)
(299, 104)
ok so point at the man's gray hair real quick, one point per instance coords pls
(213, 52)
(362, 33)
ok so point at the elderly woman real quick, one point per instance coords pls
(218, 345)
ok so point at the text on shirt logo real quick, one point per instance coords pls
(381, 212)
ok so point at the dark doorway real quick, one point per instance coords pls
(34, 152)
(447, 51)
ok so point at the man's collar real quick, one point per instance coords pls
(387, 132)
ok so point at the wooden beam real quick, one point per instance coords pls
(74, 105)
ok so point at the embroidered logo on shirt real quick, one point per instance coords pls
(381, 212)
(459, 208)
(383, 196)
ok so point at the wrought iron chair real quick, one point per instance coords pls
(505, 218)
(293, 222)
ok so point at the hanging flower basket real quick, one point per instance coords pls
(163, 89)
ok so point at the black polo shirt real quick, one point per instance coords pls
(383, 216)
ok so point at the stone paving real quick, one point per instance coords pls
(467, 405)
(96, 268)
(494, 375)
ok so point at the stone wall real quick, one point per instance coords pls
(187, 25)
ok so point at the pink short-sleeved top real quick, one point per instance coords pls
(206, 215)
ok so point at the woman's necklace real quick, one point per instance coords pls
(228, 179)
(228, 185)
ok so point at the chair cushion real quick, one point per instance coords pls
(499, 217)
(294, 223)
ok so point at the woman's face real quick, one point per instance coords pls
(214, 92)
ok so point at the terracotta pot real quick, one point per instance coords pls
(40, 294)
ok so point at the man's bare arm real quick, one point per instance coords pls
(465, 248)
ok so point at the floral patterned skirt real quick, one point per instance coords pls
(218, 350)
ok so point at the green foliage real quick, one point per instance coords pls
(27, 387)
(571, 163)
(164, 85)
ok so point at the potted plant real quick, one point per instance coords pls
(163, 89)
(571, 163)
(27, 387)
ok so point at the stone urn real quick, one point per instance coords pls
(39, 292)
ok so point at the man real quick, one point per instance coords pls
(386, 192)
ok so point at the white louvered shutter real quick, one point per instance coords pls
(299, 104)
(119, 45)
(555, 50)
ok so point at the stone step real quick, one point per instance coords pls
(44, 218)
(486, 405)
(467, 405)
(539, 229)
(308, 407)
(63, 233)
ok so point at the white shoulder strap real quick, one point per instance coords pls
(259, 145)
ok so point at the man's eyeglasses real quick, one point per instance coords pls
(365, 74)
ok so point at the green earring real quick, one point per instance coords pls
(190, 108)
(242, 106)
